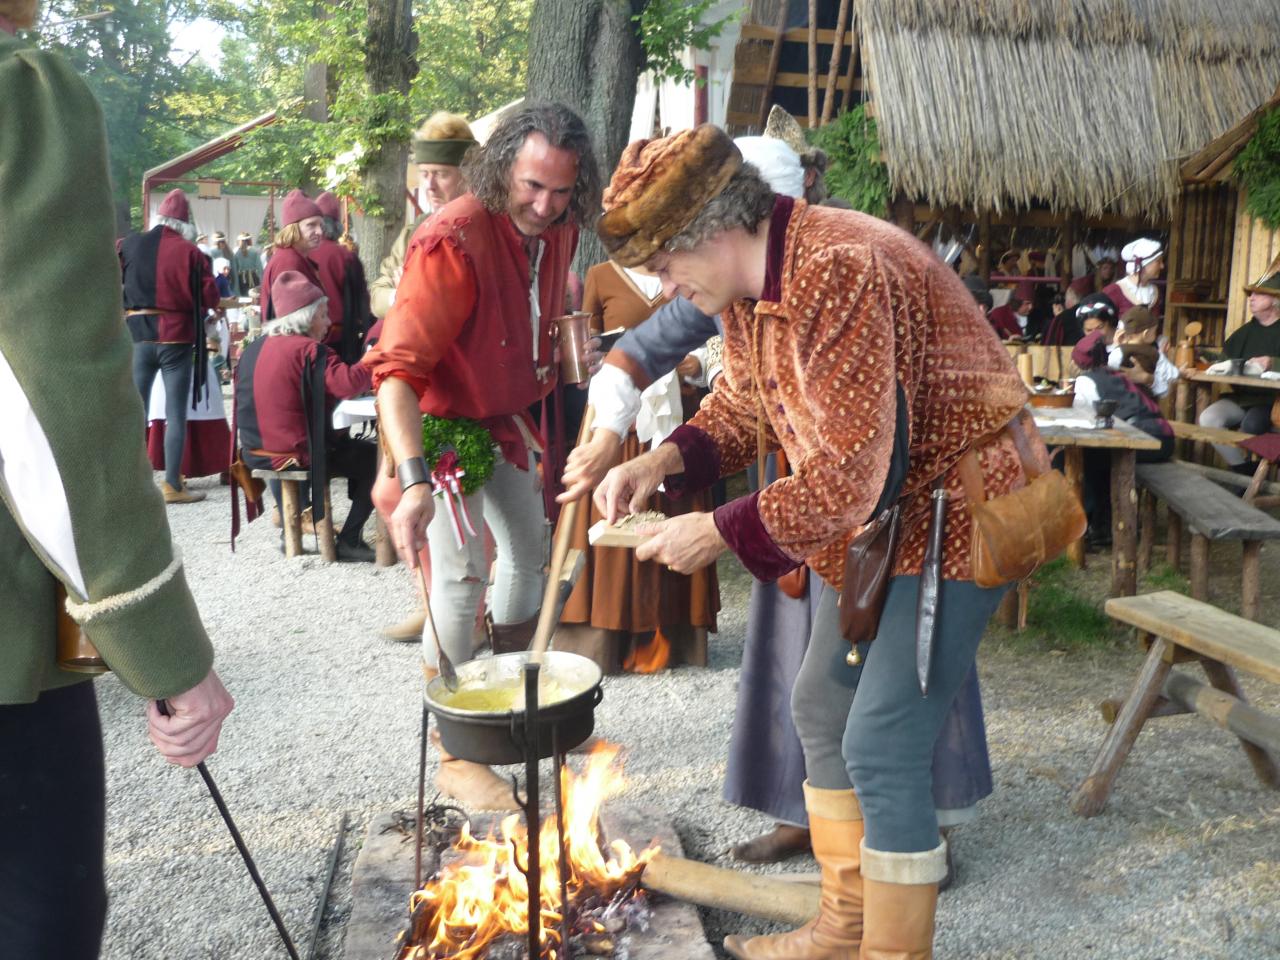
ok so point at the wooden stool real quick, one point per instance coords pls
(291, 514)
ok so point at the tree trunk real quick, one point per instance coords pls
(587, 54)
(389, 66)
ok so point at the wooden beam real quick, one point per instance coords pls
(833, 71)
(813, 63)
(775, 57)
(846, 99)
(755, 31)
(747, 893)
(759, 75)
(1047, 219)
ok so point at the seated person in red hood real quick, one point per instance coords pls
(287, 384)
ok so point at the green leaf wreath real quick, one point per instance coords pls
(468, 439)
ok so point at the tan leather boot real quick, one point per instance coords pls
(407, 630)
(511, 637)
(473, 785)
(835, 828)
(900, 893)
(184, 494)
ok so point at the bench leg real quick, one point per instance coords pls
(1251, 579)
(1146, 530)
(1264, 764)
(291, 518)
(324, 532)
(1164, 707)
(1024, 602)
(1200, 567)
(1073, 468)
(1204, 397)
(1124, 524)
(1091, 796)
(383, 548)
(1173, 546)
(1255, 485)
(1182, 404)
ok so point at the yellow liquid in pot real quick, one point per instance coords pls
(500, 699)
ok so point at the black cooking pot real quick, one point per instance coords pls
(498, 737)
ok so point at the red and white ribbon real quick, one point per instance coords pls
(446, 482)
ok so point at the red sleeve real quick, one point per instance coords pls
(345, 380)
(436, 297)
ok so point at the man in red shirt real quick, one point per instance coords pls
(1010, 320)
(470, 336)
(168, 291)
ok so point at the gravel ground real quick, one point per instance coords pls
(1185, 861)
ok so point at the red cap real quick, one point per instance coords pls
(328, 205)
(297, 206)
(1025, 291)
(175, 206)
(292, 291)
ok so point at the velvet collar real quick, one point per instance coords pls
(776, 248)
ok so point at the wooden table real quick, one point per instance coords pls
(1194, 392)
(1124, 441)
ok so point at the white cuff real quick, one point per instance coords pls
(614, 398)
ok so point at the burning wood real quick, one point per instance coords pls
(476, 906)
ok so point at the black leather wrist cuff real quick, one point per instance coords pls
(412, 472)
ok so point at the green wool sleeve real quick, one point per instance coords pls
(62, 332)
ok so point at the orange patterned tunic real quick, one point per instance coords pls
(862, 303)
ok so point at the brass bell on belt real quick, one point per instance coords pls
(853, 658)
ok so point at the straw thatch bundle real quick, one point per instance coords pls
(1084, 104)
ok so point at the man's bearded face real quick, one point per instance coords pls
(542, 182)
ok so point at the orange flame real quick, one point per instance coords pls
(484, 895)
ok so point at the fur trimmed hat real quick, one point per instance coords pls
(297, 206)
(783, 126)
(292, 291)
(175, 206)
(329, 206)
(660, 186)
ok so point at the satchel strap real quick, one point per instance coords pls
(971, 477)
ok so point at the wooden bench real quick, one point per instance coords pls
(1211, 513)
(291, 514)
(1174, 629)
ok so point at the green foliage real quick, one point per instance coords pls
(468, 439)
(473, 56)
(1164, 577)
(670, 27)
(1258, 167)
(855, 172)
(1064, 611)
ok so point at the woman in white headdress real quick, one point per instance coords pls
(1143, 263)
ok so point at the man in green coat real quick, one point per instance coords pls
(80, 515)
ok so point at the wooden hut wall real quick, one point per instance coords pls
(1256, 248)
(1201, 238)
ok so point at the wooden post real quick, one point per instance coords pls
(324, 532)
(1204, 397)
(984, 245)
(1173, 544)
(1251, 580)
(1199, 566)
(1124, 524)
(846, 100)
(1146, 530)
(1073, 464)
(1255, 484)
(775, 57)
(1182, 392)
(1007, 612)
(813, 64)
(1091, 796)
(1231, 712)
(833, 71)
(290, 518)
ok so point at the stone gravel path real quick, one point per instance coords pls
(1184, 863)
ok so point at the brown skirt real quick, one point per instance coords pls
(617, 592)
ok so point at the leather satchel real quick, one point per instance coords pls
(868, 565)
(252, 487)
(1015, 534)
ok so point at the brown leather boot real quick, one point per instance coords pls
(785, 840)
(511, 637)
(900, 893)
(473, 785)
(835, 826)
(407, 630)
(183, 494)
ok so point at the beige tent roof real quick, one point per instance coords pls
(1088, 105)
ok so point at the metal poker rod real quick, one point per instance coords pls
(244, 851)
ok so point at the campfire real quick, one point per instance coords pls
(476, 907)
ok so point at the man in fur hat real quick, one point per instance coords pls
(834, 352)
(82, 529)
(169, 290)
(470, 336)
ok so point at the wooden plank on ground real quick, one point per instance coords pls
(1197, 626)
(1204, 506)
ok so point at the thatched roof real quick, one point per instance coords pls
(1088, 105)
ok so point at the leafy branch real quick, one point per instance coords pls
(1258, 167)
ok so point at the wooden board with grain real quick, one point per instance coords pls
(602, 534)
(1197, 626)
(1204, 506)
